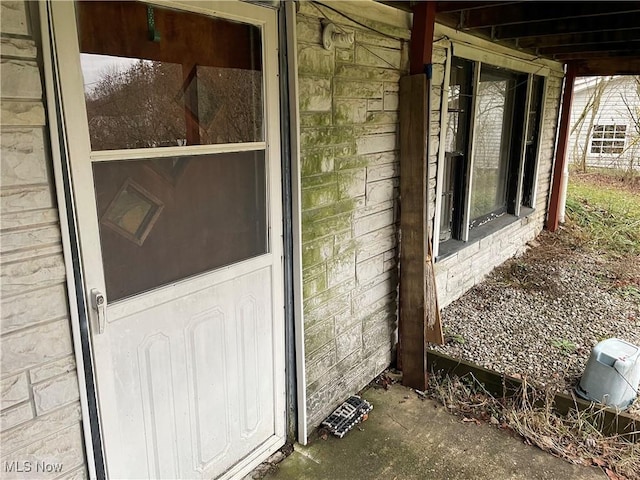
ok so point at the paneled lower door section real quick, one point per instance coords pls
(194, 384)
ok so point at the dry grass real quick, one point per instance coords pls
(604, 216)
(575, 437)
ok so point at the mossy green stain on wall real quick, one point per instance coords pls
(326, 226)
(358, 72)
(345, 55)
(322, 179)
(315, 60)
(325, 136)
(315, 252)
(316, 119)
(319, 196)
(317, 214)
(378, 118)
(314, 94)
(352, 183)
(313, 285)
(338, 100)
(350, 111)
(315, 161)
(354, 89)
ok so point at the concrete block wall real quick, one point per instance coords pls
(40, 430)
(348, 103)
(459, 272)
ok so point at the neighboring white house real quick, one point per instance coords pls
(605, 122)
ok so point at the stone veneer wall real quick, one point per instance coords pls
(348, 103)
(459, 272)
(40, 410)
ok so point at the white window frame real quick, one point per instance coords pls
(479, 57)
(598, 142)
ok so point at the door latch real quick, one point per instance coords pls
(99, 304)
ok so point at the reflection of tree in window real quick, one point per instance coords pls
(232, 105)
(144, 106)
(133, 108)
(491, 143)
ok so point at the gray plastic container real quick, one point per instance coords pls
(612, 374)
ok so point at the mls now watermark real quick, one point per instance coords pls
(29, 466)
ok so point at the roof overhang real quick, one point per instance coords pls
(598, 38)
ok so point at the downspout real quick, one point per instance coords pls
(563, 193)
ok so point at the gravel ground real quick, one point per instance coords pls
(540, 314)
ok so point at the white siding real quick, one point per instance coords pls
(619, 93)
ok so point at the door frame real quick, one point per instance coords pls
(296, 379)
(78, 298)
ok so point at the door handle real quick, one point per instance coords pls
(99, 304)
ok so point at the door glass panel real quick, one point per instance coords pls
(155, 77)
(162, 220)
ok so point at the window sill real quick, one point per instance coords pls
(452, 246)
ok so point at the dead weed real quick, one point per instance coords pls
(575, 437)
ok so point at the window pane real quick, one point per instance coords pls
(458, 106)
(615, 135)
(162, 220)
(185, 87)
(456, 145)
(453, 120)
(491, 142)
(533, 138)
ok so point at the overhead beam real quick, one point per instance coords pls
(630, 46)
(561, 150)
(400, 5)
(608, 66)
(445, 7)
(533, 12)
(571, 26)
(614, 36)
(567, 57)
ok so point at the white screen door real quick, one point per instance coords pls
(172, 127)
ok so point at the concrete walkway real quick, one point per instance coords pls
(406, 437)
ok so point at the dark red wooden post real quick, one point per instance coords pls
(424, 18)
(561, 150)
